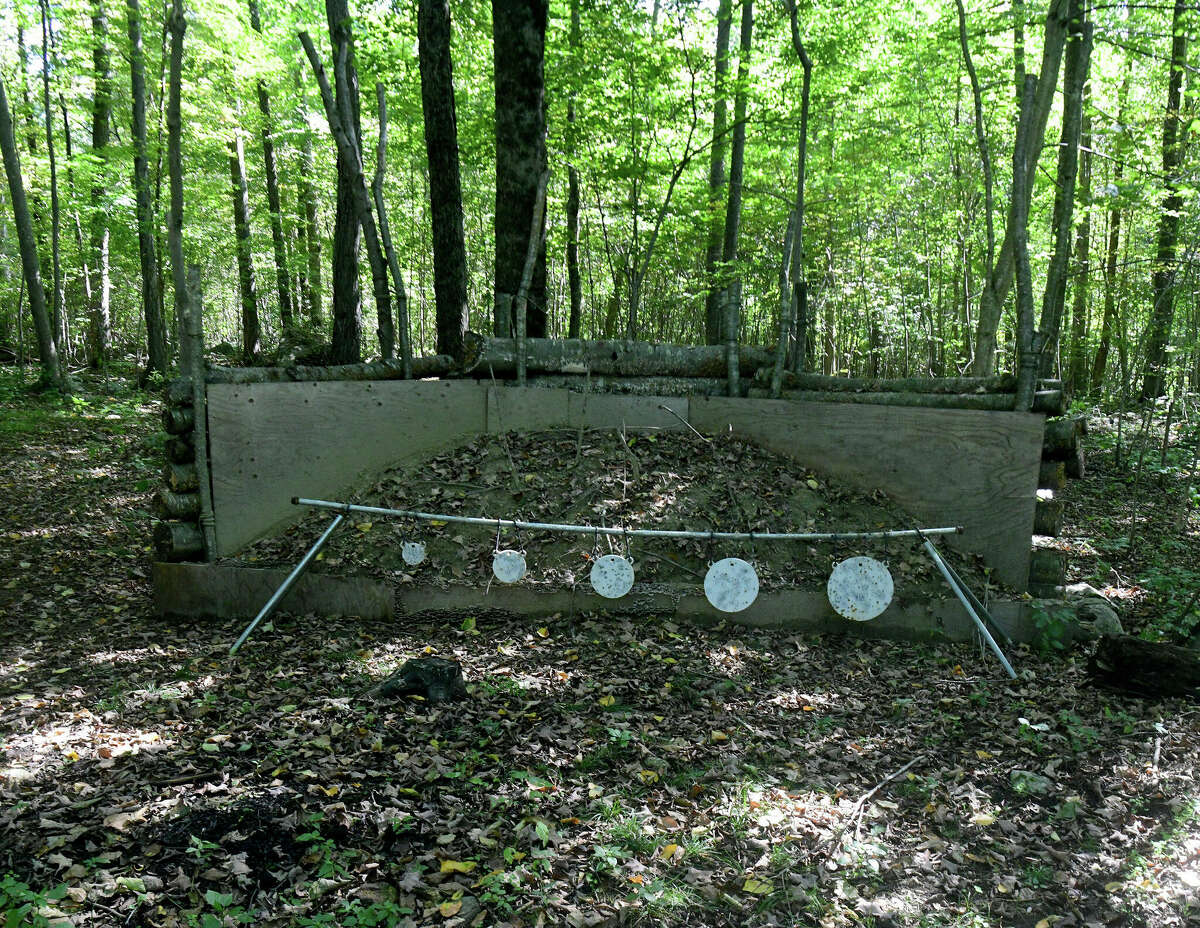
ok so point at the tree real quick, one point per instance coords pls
(519, 40)
(282, 283)
(1162, 313)
(239, 190)
(58, 307)
(52, 372)
(156, 336)
(347, 300)
(445, 186)
(100, 312)
(713, 323)
(732, 295)
(574, 281)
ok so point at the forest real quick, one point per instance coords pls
(847, 171)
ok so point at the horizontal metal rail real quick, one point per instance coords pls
(347, 508)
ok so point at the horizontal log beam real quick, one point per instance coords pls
(1001, 383)
(179, 506)
(180, 478)
(438, 365)
(634, 386)
(178, 420)
(178, 541)
(1044, 401)
(179, 449)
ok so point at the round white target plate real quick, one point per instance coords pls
(731, 584)
(612, 576)
(413, 553)
(508, 566)
(860, 588)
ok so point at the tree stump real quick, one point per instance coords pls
(1146, 668)
(436, 678)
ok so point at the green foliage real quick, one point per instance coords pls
(1052, 627)
(21, 906)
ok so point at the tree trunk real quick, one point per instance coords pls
(178, 25)
(733, 214)
(58, 307)
(1100, 362)
(100, 311)
(23, 56)
(1162, 313)
(519, 39)
(306, 198)
(1076, 374)
(52, 371)
(282, 282)
(1029, 343)
(445, 185)
(1079, 53)
(385, 234)
(1000, 280)
(347, 298)
(251, 331)
(713, 324)
(340, 119)
(156, 335)
(574, 282)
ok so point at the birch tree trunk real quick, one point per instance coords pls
(306, 201)
(156, 336)
(100, 310)
(251, 330)
(58, 307)
(732, 294)
(177, 25)
(1162, 313)
(713, 323)
(445, 186)
(347, 297)
(52, 372)
(385, 235)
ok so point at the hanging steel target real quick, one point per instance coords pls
(612, 576)
(860, 588)
(413, 553)
(508, 566)
(731, 584)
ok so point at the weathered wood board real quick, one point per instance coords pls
(272, 441)
(945, 466)
(517, 409)
(225, 592)
(614, 411)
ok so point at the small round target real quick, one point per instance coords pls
(413, 553)
(612, 576)
(860, 588)
(731, 584)
(508, 566)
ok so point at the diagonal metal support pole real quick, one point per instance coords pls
(296, 574)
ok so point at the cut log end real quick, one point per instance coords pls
(1048, 517)
(176, 506)
(178, 420)
(178, 541)
(1052, 475)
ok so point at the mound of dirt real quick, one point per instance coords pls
(663, 480)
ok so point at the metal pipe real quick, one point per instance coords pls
(347, 508)
(295, 575)
(979, 606)
(987, 636)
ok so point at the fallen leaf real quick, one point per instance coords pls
(459, 866)
(757, 887)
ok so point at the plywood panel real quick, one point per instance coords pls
(945, 466)
(272, 441)
(612, 411)
(521, 409)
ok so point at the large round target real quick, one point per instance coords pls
(612, 576)
(508, 566)
(731, 584)
(860, 588)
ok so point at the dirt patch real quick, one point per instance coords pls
(658, 480)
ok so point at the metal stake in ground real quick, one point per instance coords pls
(963, 598)
(295, 575)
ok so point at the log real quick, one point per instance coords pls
(1001, 383)
(177, 541)
(180, 478)
(1074, 464)
(619, 358)
(178, 420)
(1047, 567)
(1152, 669)
(1052, 475)
(172, 505)
(1061, 438)
(634, 386)
(437, 365)
(178, 392)
(436, 678)
(990, 402)
(1048, 517)
(179, 450)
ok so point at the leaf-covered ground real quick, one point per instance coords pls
(601, 771)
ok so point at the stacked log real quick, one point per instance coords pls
(178, 536)
(1063, 442)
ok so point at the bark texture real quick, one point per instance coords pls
(519, 40)
(251, 330)
(732, 293)
(100, 310)
(713, 323)
(445, 185)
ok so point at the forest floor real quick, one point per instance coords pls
(600, 772)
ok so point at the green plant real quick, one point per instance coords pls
(1052, 628)
(223, 913)
(21, 906)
